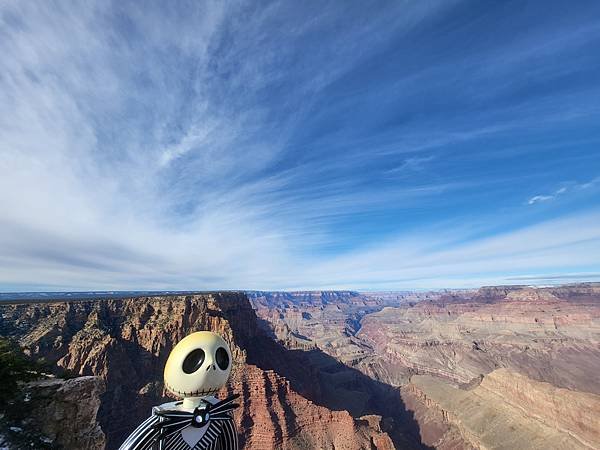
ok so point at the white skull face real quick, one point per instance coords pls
(199, 365)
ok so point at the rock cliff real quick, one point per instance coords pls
(329, 321)
(537, 351)
(500, 367)
(56, 414)
(125, 342)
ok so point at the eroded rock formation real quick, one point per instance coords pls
(126, 342)
(507, 410)
(499, 367)
(548, 334)
(72, 407)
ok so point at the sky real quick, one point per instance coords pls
(298, 145)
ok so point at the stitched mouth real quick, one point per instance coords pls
(191, 393)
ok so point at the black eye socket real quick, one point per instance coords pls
(222, 358)
(193, 361)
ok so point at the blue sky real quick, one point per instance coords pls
(298, 145)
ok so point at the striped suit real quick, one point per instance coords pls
(170, 427)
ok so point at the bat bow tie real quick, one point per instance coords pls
(174, 420)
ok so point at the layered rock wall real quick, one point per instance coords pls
(126, 343)
(537, 351)
(494, 415)
(574, 413)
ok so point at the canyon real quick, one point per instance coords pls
(497, 367)
(125, 343)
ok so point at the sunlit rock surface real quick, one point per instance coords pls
(499, 367)
(507, 410)
(126, 342)
(537, 351)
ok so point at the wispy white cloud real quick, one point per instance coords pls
(540, 198)
(165, 148)
(569, 188)
(440, 257)
(414, 164)
(129, 145)
(588, 185)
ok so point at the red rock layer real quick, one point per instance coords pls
(549, 335)
(548, 338)
(290, 421)
(126, 343)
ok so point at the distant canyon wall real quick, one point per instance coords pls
(507, 410)
(498, 367)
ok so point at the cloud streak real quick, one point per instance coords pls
(540, 198)
(230, 145)
(569, 188)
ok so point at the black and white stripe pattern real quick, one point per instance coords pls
(143, 437)
(219, 436)
(162, 430)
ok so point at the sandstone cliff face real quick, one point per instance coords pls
(330, 322)
(537, 350)
(528, 358)
(290, 421)
(316, 320)
(126, 343)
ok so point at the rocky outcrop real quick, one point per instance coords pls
(495, 368)
(290, 421)
(125, 342)
(66, 411)
(58, 414)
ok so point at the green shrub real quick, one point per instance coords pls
(15, 369)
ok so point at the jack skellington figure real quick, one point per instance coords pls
(196, 369)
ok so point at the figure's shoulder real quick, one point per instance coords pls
(178, 405)
(169, 406)
(210, 399)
